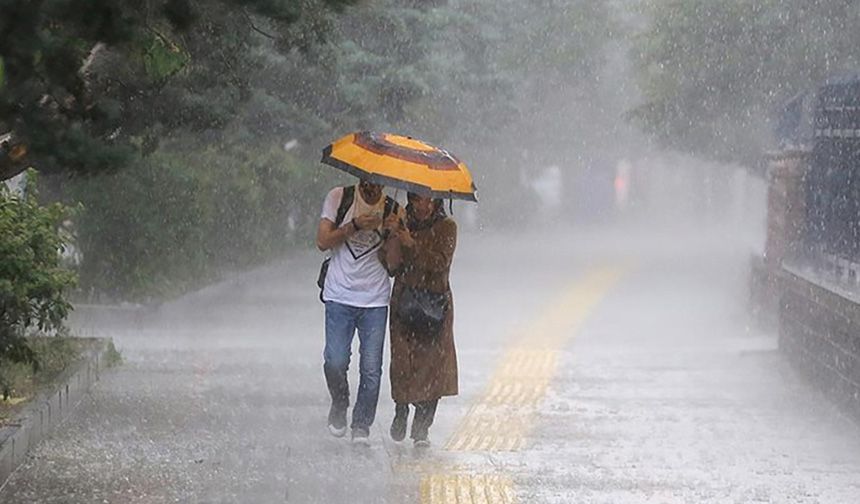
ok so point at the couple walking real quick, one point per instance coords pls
(370, 239)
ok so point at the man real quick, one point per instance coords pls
(356, 294)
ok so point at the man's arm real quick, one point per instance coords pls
(329, 236)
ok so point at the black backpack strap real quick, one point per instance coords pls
(345, 202)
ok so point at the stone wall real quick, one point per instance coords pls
(50, 407)
(786, 216)
(818, 319)
(819, 331)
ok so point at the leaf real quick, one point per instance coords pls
(163, 58)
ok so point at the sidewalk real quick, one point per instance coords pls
(655, 392)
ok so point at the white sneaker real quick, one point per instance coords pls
(337, 431)
(421, 443)
(360, 437)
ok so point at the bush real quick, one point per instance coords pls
(33, 282)
(175, 220)
(20, 381)
(137, 227)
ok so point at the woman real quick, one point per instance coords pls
(423, 360)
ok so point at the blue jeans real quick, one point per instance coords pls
(341, 323)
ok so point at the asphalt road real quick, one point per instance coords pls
(596, 366)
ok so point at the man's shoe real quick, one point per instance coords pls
(360, 436)
(337, 422)
(337, 431)
(398, 426)
(421, 443)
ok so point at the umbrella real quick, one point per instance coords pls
(401, 162)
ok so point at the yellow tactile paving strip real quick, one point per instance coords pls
(466, 488)
(501, 419)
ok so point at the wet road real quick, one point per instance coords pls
(608, 368)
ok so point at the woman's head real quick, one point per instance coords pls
(423, 207)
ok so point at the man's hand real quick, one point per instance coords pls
(368, 221)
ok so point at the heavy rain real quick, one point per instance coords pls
(576, 251)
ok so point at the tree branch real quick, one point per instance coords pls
(9, 169)
(254, 27)
(12, 155)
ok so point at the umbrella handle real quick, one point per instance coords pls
(397, 193)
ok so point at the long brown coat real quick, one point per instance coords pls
(424, 368)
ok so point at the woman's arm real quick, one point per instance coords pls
(391, 255)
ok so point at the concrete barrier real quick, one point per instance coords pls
(48, 409)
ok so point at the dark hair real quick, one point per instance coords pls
(438, 213)
(410, 195)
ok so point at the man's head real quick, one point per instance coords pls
(370, 192)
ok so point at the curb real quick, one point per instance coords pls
(48, 409)
(92, 315)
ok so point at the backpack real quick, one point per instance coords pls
(345, 202)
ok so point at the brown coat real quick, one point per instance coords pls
(424, 369)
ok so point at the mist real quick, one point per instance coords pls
(640, 313)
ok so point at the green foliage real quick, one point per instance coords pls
(163, 58)
(177, 131)
(64, 59)
(136, 225)
(33, 282)
(112, 356)
(712, 71)
(173, 220)
(54, 355)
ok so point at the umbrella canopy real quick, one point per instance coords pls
(402, 162)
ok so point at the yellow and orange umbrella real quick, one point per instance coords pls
(402, 162)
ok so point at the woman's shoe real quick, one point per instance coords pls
(398, 425)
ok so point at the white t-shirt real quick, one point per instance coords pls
(355, 275)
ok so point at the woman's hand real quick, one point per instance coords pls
(391, 254)
(392, 223)
(405, 238)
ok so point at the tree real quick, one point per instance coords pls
(33, 282)
(186, 114)
(713, 71)
(88, 84)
